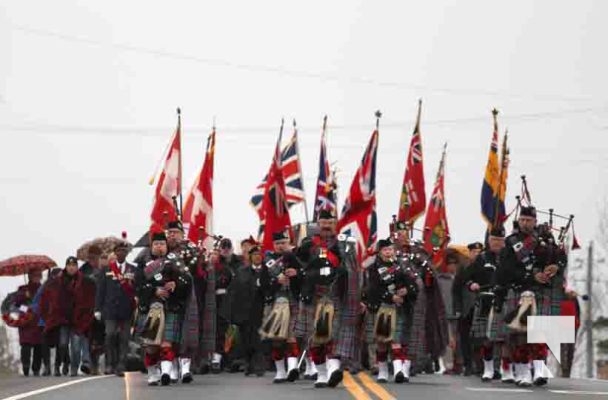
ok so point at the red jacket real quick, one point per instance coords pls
(30, 333)
(68, 302)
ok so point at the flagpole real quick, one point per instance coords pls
(501, 177)
(295, 132)
(179, 188)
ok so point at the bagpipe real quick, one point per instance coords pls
(276, 324)
(16, 316)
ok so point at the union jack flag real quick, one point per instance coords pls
(359, 213)
(292, 175)
(325, 198)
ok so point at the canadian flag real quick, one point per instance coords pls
(169, 185)
(198, 209)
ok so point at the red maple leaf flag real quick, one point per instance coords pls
(198, 209)
(358, 217)
(413, 197)
(169, 184)
(274, 204)
(436, 230)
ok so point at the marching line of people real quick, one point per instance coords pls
(307, 311)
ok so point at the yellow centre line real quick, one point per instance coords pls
(127, 388)
(353, 387)
(375, 388)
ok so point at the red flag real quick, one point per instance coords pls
(358, 217)
(169, 184)
(413, 196)
(274, 205)
(436, 230)
(198, 209)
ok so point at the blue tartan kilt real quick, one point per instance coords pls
(173, 327)
(305, 321)
(370, 319)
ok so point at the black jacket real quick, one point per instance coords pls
(383, 280)
(245, 299)
(112, 300)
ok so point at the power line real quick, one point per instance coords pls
(291, 72)
(270, 130)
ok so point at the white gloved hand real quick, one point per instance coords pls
(97, 315)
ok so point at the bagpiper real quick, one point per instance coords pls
(188, 259)
(479, 279)
(427, 336)
(389, 295)
(323, 295)
(530, 265)
(163, 298)
(283, 290)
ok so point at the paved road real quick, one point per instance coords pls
(231, 386)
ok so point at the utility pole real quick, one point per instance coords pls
(589, 321)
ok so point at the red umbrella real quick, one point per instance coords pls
(19, 265)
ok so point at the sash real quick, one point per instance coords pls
(127, 287)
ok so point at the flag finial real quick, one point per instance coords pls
(378, 115)
(179, 111)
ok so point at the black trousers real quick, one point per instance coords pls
(464, 331)
(27, 361)
(117, 344)
(252, 349)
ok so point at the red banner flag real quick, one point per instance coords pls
(413, 196)
(169, 184)
(198, 209)
(274, 205)
(436, 230)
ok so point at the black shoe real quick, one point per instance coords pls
(165, 379)
(540, 382)
(320, 385)
(216, 368)
(335, 378)
(85, 369)
(36, 373)
(260, 373)
(497, 376)
(120, 373)
(57, 372)
(26, 372)
(65, 370)
(46, 371)
(399, 378)
(187, 378)
(293, 375)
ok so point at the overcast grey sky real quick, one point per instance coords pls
(88, 92)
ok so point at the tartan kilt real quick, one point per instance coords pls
(370, 319)
(543, 307)
(305, 320)
(479, 328)
(173, 327)
(140, 322)
(294, 307)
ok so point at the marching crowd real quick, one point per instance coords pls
(306, 310)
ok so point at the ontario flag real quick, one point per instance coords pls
(325, 198)
(198, 209)
(413, 197)
(169, 184)
(292, 175)
(436, 230)
(274, 203)
(358, 217)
